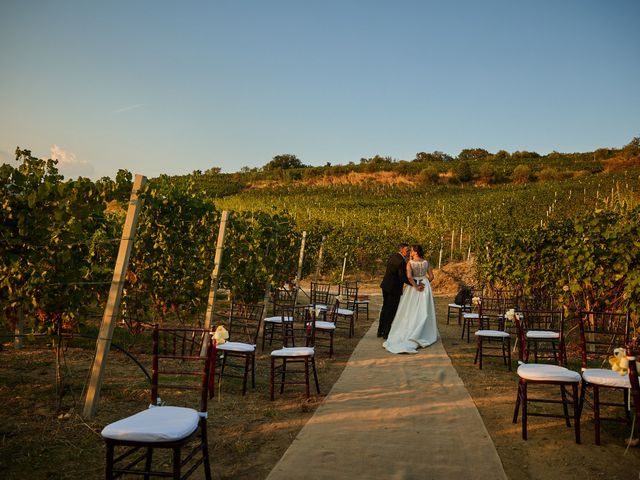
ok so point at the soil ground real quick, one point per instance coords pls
(248, 435)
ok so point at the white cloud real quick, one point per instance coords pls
(130, 107)
(69, 165)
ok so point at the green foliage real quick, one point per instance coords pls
(462, 171)
(591, 262)
(261, 251)
(283, 162)
(521, 174)
(429, 175)
(473, 154)
(52, 244)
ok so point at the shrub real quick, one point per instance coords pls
(521, 174)
(429, 175)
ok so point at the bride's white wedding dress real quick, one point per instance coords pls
(414, 325)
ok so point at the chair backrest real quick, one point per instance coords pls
(533, 320)
(537, 299)
(281, 297)
(600, 334)
(301, 329)
(178, 365)
(349, 292)
(491, 313)
(320, 293)
(542, 320)
(244, 322)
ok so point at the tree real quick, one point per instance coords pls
(429, 175)
(283, 162)
(521, 174)
(462, 171)
(473, 154)
(433, 157)
(487, 173)
(212, 171)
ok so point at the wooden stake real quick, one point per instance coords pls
(453, 237)
(300, 260)
(319, 264)
(215, 274)
(103, 344)
(18, 340)
(344, 266)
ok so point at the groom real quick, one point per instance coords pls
(392, 283)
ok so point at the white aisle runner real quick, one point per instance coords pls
(393, 417)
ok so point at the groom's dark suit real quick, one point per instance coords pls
(392, 283)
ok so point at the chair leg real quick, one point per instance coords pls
(315, 374)
(565, 407)
(246, 374)
(272, 378)
(330, 344)
(523, 385)
(109, 464)
(253, 371)
(284, 373)
(205, 450)
(306, 377)
(517, 409)
(596, 412)
(176, 463)
(576, 411)
(148, 462)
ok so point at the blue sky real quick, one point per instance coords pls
(172, 87)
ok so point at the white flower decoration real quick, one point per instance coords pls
(220, 335)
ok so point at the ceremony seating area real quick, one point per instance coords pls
(557, 352)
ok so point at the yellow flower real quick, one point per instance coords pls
(220, 335)
(619, 362)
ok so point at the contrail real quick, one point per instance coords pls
(130, 107)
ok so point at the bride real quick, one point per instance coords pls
(415, 322)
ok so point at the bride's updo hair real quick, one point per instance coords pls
(418, 249)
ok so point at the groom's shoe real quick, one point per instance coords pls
(379, 335)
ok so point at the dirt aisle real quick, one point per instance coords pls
(394, 417)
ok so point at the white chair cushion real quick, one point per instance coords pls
(236, 347)
(344, 311)
(542, 334)
(492, 333)
(454, 305)
(471, 315)
(157, 424)
(294, 352)
(542, 372)
(605, 377)
(322, 325)
(278, 319)
(361, 302)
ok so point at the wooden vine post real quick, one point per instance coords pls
(319, 264)
(344, 266)
(215, 274)
(109, 318)
(300, 261)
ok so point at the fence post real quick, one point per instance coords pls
(344, 266)
(103, 344)
(319, 264)
(18, 340)
(300, 261)
(215, 274)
